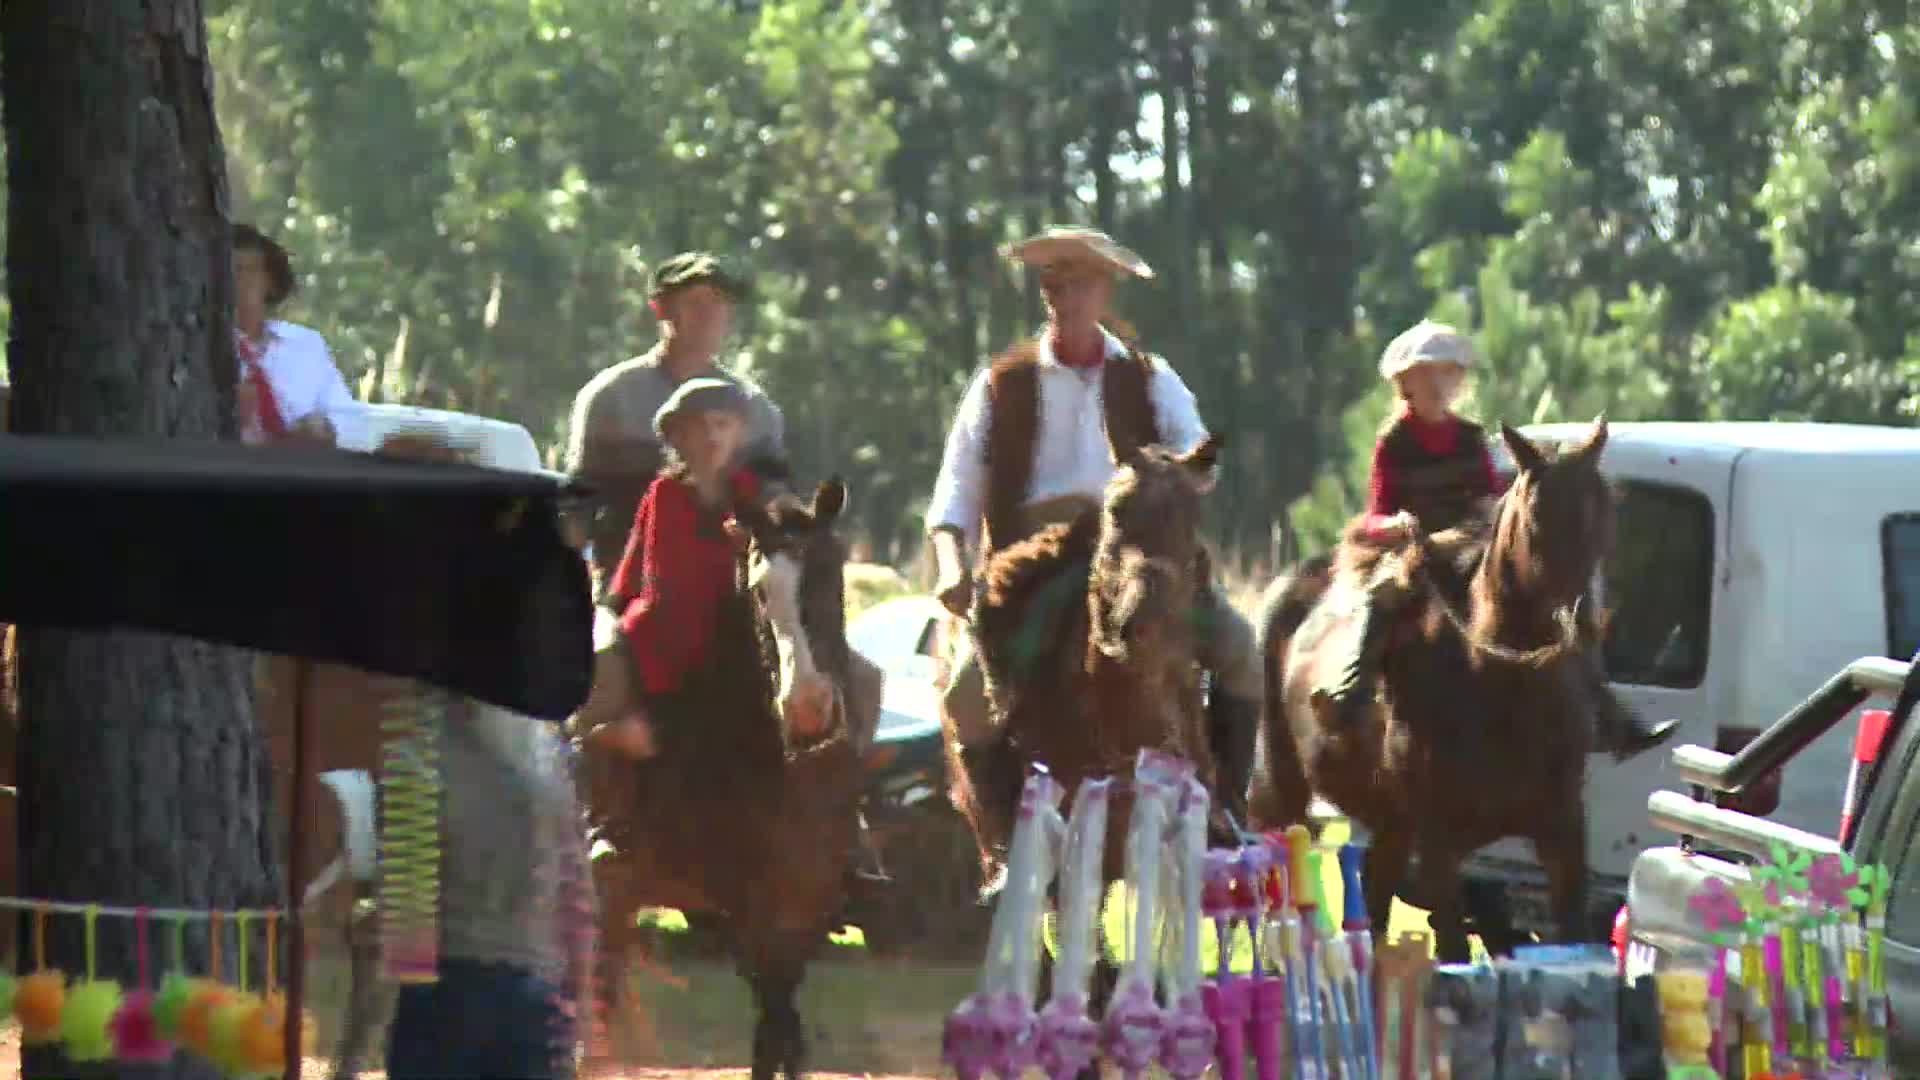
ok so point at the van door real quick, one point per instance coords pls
(1665, 588)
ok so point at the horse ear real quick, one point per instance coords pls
(1204, 457)
(1596, 440)
(1526, 456)
(828, 500)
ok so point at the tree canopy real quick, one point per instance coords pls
(1689, 210)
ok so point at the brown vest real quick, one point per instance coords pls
(1013, 395)
(1441, 491)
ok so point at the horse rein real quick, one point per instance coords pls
(1567, 618)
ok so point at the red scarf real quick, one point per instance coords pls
(266, 406)
(1086, 361)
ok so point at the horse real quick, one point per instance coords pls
(1486, 725)
(1119, 675)
(748, 809)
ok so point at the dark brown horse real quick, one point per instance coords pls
(1485, 726)
(742, 814)
(1118, 674)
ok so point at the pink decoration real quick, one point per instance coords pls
(1717, 908)
(136, 1034)
(1187, 1040)
(1829, 881)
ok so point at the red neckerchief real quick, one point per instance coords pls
(1086, 361)
(1437, 437)
(266, 405)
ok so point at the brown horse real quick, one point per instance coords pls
(741, 814)
(1485, 727)
(1119, 674)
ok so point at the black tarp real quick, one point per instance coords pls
(452, 574)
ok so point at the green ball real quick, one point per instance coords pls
(83, 1026)
(8, 986)
(170, 1003)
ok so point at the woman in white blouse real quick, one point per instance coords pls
(289, 388)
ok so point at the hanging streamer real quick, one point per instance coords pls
(136, 1027)
(41, 997)
(90, 1007)
(410, 838)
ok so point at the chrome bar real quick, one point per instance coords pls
(1730, 829)
(1790, 734)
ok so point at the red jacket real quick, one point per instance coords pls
(678, 567)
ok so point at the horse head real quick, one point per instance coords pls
(797, 567)
(1556, 522)
(1145, 570)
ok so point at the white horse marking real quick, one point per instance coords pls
(805, 695)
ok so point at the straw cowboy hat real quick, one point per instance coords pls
(1427, 343)
(1065, 244)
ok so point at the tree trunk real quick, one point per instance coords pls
(143, 779)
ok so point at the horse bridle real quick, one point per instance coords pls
(1567, 618)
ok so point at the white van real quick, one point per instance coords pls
(1753, 561)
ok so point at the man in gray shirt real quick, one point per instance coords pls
(611, 443)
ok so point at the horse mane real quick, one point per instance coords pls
(1018, 570)
(726, 710)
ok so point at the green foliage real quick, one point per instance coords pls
(1660, 209)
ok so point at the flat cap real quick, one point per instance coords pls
(698, 395)
(1426, 343)
(691, 268)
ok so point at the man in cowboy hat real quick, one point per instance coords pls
(611, 442)
(1035, 442)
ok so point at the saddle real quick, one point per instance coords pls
(1451, 559)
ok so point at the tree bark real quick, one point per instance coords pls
(143, 778)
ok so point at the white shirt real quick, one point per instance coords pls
(305, 381)
(1071, 455)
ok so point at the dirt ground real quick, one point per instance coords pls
(865, 1018)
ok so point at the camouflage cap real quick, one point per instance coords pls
(695, 268)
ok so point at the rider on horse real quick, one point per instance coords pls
(1432, 473)
(678, 565)
(612, 438)
(1037, 437)
(678, 568)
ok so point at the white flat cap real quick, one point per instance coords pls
(1426, 343)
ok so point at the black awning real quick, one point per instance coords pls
(456, 575)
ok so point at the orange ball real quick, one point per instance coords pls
(263, 1040)
(196, 1020)
(38, 1004)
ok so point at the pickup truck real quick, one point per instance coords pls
(1752, 561)
(1879, 824)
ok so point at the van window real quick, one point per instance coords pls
(1900, 555)
(1659, 586)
